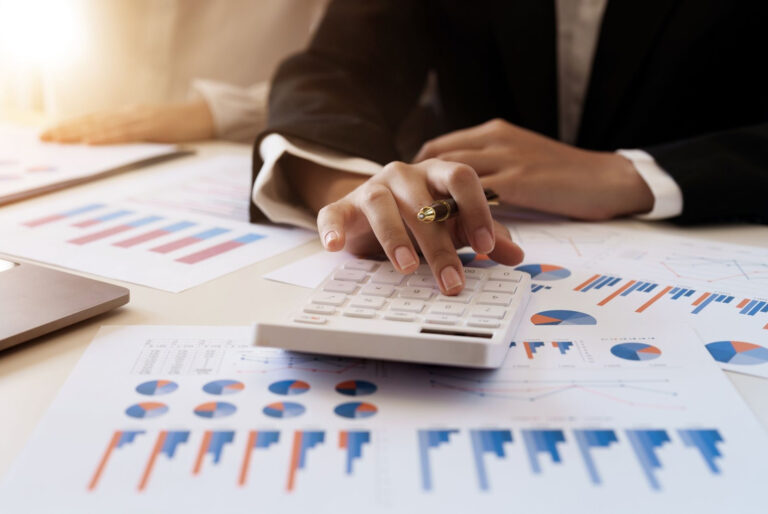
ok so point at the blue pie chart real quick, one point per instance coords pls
(289, 387)
(157, 387)
(636, 351)
(222, 387)
(356, 388)
(562, 317)
(738, 352)
(284, 410)
(476, 260)
(356, 410)
(146, 410)
(215, 410)
(545, 271)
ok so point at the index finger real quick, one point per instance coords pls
(473, 138)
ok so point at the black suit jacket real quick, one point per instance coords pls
(684, 80)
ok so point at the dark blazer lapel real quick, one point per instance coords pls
(525, 31)
(628, 33)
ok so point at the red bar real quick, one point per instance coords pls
(142, 238)
(175, 245)
(210, 252)
(294, 461)
(617, 293)
(100, 235)
(743, 303)
(247, 457)
(87, 223)
(585, 284)
(701, 299)
(43, 221)
(103, 463)
(201, 454)
(152, 458)
(528, 352)
(652, 300)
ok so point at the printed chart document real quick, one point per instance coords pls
(150, 237)
(196, 419)
(599, 274)
(28, 166)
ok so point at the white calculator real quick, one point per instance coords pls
(366, 308)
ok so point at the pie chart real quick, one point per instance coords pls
(289, 387)
(284, 410)
(476, 260)
(545, 271)
(222, 387)
(356, 388)
(562, 317)
(356, 410)
(636, 351)
(157, 387)
(215, 410)
(146, 410)
(738, 352)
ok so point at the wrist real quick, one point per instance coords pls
(316, 186)
(632, 194)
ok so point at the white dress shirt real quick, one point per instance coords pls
(578, 28)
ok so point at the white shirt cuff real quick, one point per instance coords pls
(667, 196)
(271, 192)
(239, 113)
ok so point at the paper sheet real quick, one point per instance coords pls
(195, 419)
(29, 166)
(136, 237)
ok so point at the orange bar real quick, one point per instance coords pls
(652, 300)
(617, 293)
(744, 302)
(294, 461)
(766, 326)
(585, 284)
(152, 458)
(104, 459)
(343, 439)
(247, 457)
(201, 454)
(528, 349)
(701, 299)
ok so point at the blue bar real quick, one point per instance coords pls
(600, 281)
(542, 441)
(144, 221)
(749, 306)
(488, 441)
(210, 233)
(690, 292)
(636, 285)
(593, 439)
(757, 308)
(720, 298)
(676, 289)
(81, 210)
(765, 309)
(679, 294)
(113, 215)
(728, 300)
(430, 439)
(706, 442)
(651, 288)
(536, 287)
(703, 304)
(219, 439)
(645, 442)
(355, 441)
(178, 226)
(614, 281)
(248, 238)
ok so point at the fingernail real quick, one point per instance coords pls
(330, 237)
(404, 257)
(450, 277)
(483, 240)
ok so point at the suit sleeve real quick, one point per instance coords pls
(723, 176)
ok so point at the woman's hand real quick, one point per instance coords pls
(168, 123)
(381, 214)
(530, 170)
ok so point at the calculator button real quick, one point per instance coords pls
(329, 299)
(473, 272)
(359, 313)
(407, 305)
(494, 299)
(463, 297)
(488, 312)
(337, 286)
(361, 265)
(482, 323)
(422, 281)
(506, 275)
(378, 290)
(497, 286)
(367, 302)
(319, 309)
(387, 275)
(399, 316)
(451, 309)
(311, 319)
(471, 283)
(423, 269)
(416, 293)
(441, 320)
(349, 275)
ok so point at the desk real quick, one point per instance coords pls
(31, 374)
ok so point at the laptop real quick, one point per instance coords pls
(35, 300)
